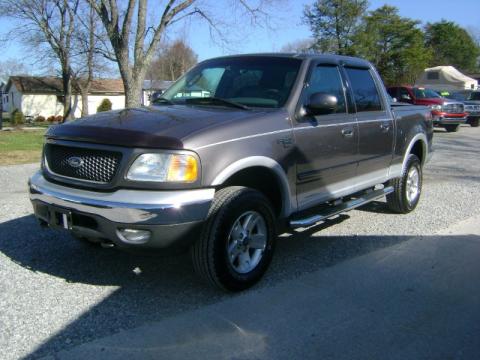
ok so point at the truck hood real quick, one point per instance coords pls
(149, 127)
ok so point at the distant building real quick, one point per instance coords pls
(43, 96)
(153, 86)
(475, 76)
(446, 78)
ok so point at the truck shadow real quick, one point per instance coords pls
(150, 288)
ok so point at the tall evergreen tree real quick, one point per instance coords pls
(333, 23)
(452, 45)
(395, 45)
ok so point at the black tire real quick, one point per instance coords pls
(474, 122)
(452, 128)
(399, 201)
(210, 254)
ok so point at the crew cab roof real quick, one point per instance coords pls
(325, 58)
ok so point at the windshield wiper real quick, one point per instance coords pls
(163, 101)
(220, 101)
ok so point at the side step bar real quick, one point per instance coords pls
(343, 207)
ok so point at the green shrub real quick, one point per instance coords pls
(59, 119)
(105, 105)
(40, 119)
(17, 117)
(51, 119)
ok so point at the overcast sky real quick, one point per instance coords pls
(287, 26)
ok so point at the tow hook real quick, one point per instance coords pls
(107, 244)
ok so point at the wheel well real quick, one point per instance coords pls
(418, 150)
(261, 179)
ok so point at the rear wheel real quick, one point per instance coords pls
(237, 241)
(452, 128)
(408, 188)
(474, 122)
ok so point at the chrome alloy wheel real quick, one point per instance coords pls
(413, 184)
(247, 241)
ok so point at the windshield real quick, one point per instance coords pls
(421, 93)
(459, 96)
(249, 81)
(474, 95)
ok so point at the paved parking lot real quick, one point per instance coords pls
(370, 284)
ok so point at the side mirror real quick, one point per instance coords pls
(321, 104)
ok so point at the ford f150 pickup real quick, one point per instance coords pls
(449, 114)
(237, 150)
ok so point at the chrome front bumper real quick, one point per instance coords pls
(448, 121)
(126, 206)
(173, 218)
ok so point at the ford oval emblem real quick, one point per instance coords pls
(75, 161)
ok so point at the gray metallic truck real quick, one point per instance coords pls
(236, 151)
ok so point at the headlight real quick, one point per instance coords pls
(164, 168)
(436, 107)
(469, 108)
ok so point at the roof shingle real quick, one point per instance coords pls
(54, 85)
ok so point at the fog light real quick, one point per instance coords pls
(134, 235)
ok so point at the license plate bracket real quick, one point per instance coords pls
(61, 218)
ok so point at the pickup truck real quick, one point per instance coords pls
(449, 114)
(239, 149)
(471, 99)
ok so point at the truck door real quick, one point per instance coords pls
(375, 124)
(327, 145)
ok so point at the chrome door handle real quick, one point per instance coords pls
(385, 127)
(347, 132)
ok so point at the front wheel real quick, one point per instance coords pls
(474, 122)
(407, 188)
(237, 241)
(452, 128)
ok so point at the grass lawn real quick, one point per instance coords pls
(20, 147)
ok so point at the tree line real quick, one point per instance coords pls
(83, 37)
(400, 48)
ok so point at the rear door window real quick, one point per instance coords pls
(365, 91)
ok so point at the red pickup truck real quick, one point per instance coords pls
(447, 113)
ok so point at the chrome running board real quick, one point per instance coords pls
(341, 208)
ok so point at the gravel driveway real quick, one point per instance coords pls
(57, 293)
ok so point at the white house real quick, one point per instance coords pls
(36, 96)
(153, 86)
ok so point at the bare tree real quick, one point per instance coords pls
(123, 27)
(12, 67)
(88, 61)
(299, 46)
(50, 22)
(172, 61)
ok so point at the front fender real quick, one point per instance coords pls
(288, 205)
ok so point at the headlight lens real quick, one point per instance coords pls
(164, 168)
(436, 107)
(469, 108)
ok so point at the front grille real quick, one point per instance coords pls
(453, 108)
(81, 163)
